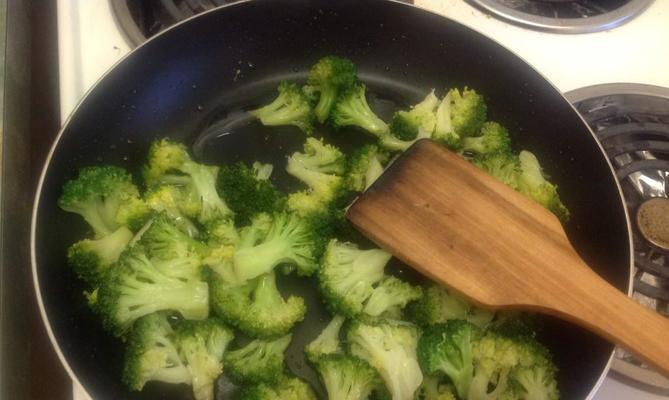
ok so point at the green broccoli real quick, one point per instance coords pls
(391, 293)
(136, 286)
(176, 203)
(90, 258)
(406, 124)
(365, 166)
(393, 144)
(291, 107)
(256, 307)
(503, 166)
(166, 245)
(327, 341)
(348, 275)
(106, 198)
(201, 346)
(448, 349)
(533, 184)
(258, 361)
(390, 348)
(492, 139)
(433, 389)
(327, 77)
(536, 382)
(352, 109)
(270, 241)
(246, 193)
(169, 163)
(460, 115)
(286, 388)
(439, 305)
(262, 171)
(494, 357)
(321, 168)
(346, 377)
(152, 355)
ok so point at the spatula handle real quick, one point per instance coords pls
(598, 306)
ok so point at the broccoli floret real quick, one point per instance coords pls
(365, 167)
(287, 388)
(493, 138)
(347, 276)
(176, 203)
(352, 109)
(136, 286)
(167, 245)
(259, 361)
(494, 356)
(320, 167)
(533, 184)
(405, 124)
(460, 114)
(105, 197)
(439, 305)
(534, 377)
(433, 389)
(391, 293)
(262, 171)
(203, 187)
(448, 349)
(290, 107)
(201, 346)
(152, 355)
(390, 348)
(391, 143)
(91, 258)
(287, 239)
(169, 163)
(346, 377)
(256, 307)
(248, 193)
(503, 166)
(327, 341)
(327, 77)
(515, 325)
(165, 156)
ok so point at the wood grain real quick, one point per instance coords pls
(461, 227)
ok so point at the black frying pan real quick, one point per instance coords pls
(198, 73)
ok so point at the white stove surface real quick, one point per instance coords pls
(90, 43)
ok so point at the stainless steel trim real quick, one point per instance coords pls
(597, 23)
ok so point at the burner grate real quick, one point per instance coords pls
(632, 124)
(141, 19)
(564, 16)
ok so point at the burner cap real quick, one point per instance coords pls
(653, 221)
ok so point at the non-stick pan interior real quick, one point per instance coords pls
(189, 79)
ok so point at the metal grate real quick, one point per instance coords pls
(564, 16)
(632, 124)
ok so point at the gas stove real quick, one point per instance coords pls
(607, 56)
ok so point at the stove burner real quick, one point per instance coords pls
(632, 123)
(652, 218)
(141, 19)
(565, 16)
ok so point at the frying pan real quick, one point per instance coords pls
(190, 83)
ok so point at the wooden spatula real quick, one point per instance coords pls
(464, 229)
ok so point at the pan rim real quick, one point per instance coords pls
(56, 141)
